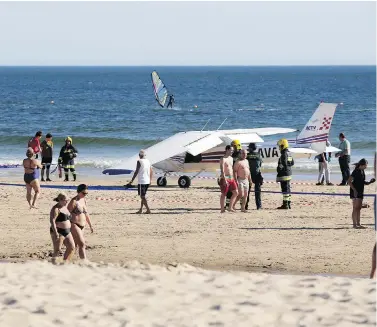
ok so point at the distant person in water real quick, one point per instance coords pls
(171, 101)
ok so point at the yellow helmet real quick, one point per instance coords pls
(237, 144)
(283, 144)
(68, 139)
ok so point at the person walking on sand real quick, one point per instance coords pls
(66, 158)
(241, 171)
(47, 146)
(61, 227)
(226, 181)
(144, 174)
(357, 182)
(31, 177)
(79, 217)
(344, 158)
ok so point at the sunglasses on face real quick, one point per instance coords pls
(85, 193)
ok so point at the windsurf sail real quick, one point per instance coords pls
(160, 90)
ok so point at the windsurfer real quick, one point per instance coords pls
(171, 101)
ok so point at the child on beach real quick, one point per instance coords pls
(356, 182)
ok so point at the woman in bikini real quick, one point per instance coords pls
(79, 211)
(31, 176)
(61, 227)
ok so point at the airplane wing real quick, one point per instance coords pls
(302, 150)
(332, 149)
(243, 138)
(192, 142)
(260, 131)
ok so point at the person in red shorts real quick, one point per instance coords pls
(226, 181)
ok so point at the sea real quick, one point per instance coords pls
(111, 112)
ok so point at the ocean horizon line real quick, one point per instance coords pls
(179, 66)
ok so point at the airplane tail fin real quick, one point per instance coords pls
(317, 129)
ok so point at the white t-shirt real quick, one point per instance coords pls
(144, 172)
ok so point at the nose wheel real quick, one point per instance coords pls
(184, 182)
(161, 181)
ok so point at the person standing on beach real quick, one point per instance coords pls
(66, 158)
(255, 164)
(35, 143)
(344, 158)
(80, 216)
(144, 172)
(324, 170)
(226, 181)
(236, 146)
(357, 182)
(31, 177)
(241, 171)
(284, 173)
(61, 227)
(47, 147)
(373, 271)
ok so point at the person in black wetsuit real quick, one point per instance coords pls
(356, 182)
(61, 227)
(171, 101)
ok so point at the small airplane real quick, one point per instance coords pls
(200, 151)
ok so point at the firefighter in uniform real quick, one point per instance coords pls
(66, 158)
(255, 164)
(236, 145)
(284, 173)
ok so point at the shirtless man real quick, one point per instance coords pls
(227, 182)
(242, 175)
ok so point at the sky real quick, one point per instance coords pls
(187, 33)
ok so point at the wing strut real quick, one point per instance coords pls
(222, 123)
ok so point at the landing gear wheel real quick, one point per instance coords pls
(161, 181)
(184, 181)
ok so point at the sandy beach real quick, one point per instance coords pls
(39, 294)
(185, 226)
(186, 264)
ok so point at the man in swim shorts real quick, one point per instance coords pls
(242, 175)
(226, 181)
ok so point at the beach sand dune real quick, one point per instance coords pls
(39, 294)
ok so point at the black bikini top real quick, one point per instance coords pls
(62, 217)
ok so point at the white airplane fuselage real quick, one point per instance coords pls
(209, 161)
